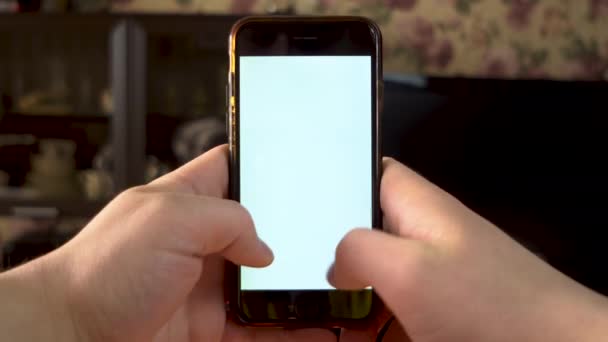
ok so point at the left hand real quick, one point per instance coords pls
(149, 267)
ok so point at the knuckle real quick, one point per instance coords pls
(158, 202)
(350, 243)
(131, 194)
(145, 203)
(242, 213)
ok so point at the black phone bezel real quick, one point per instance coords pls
(240, 43)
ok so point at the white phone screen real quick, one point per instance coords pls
(305, 161)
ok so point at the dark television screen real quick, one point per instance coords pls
(530, 156)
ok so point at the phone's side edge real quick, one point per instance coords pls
(377, 306)
(232, 298)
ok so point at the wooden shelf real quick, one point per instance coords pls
(47, 208)
(61, 22)
(179, 23)
(94, 117)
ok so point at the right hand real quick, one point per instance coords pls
(447, 274)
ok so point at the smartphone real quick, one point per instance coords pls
(304, 96)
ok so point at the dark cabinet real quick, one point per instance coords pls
(93, 104)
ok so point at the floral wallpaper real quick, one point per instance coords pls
(557, 39)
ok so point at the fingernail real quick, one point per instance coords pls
(330, 274)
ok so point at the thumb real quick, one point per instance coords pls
(390, 264)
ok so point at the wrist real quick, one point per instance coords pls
(33, 306)
(597, 319)
(580, 316)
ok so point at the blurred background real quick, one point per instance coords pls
(501, 102)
